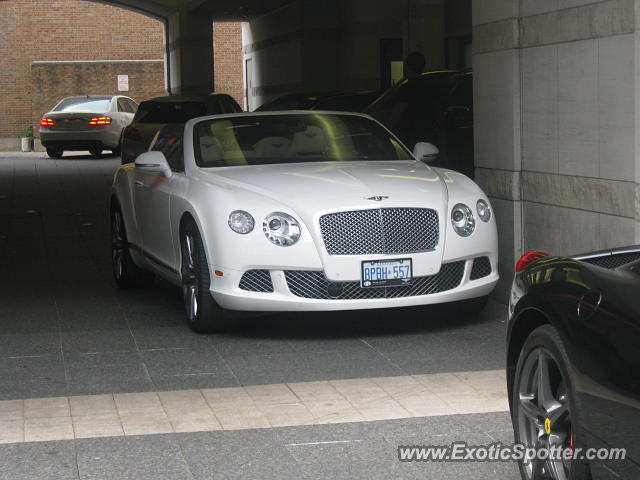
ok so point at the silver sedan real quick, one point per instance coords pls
(90, 122)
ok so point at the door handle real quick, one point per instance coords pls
(138, 183)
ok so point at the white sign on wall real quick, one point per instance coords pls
(123, 83)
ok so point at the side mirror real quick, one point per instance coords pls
(425, 152)
(154, 162)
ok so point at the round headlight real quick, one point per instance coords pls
(281, 229)
(462, 220)
(241, 222)
(484, 210)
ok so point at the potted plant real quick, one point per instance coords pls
(26, 139)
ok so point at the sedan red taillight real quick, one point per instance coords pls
(530, 257)
(100, 121)
(46, 122)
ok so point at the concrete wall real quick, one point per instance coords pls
(556, 102)
(330, 44)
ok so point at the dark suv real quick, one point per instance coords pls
(154, 114)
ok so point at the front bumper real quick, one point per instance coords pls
(229, 295)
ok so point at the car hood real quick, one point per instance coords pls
(322, 186)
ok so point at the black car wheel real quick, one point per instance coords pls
(203, 313)
(546, 412)
(116, 151)
(54, 152)
(95, 152)
(125, 272)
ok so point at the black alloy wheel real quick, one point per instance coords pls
(546, 412)
(203, 313)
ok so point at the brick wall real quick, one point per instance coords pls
(76, 30)
(227, 58)
(52, 81)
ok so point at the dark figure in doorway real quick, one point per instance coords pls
(413, 116)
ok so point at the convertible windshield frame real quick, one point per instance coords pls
(292, 137)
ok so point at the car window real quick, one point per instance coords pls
(133, 106)
(122, 105)
(169, 142)
(230, 105)
(169, 112)
(462, 93)
(267, 139)
(91, 105)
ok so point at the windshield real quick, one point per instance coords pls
(292, 138)
(93, 105)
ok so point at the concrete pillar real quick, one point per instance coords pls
(189, 45)
(496, 70)
(557, 110)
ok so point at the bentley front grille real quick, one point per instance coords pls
(313, 284)
(256, 281)
(481, 268)
(380, 231)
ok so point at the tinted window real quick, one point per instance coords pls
(169, 112)
(169, 142)
(133, 106)
(93, 105)
(230, 105)
(434, 86)
(259, 140)
(462, 94)
(123, 106)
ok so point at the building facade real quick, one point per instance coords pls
(55, 48)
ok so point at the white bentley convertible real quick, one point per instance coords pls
(299, 211)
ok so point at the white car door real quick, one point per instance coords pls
(152, 199)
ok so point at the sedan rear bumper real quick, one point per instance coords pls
(80, 140)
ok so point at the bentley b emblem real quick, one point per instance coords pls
(378, 198)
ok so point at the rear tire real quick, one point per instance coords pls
(544, 391)
(204, 315)
(55, 152)
(125, 272)
(95, 152)
(116, 151)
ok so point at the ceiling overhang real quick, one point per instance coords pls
(219, 10)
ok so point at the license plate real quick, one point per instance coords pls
(386, 273)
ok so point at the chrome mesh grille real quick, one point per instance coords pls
(380, 231)
(613, 261)
(256, 281)
(313, 284)
(481, 268)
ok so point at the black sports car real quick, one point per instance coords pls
(573, 362)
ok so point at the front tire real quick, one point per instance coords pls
(204, 315)
(125, 272)
(546, 410)
(471, 307)
(96, 152)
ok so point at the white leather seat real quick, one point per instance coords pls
(210, 150)
(272, 147)
(311, 142)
